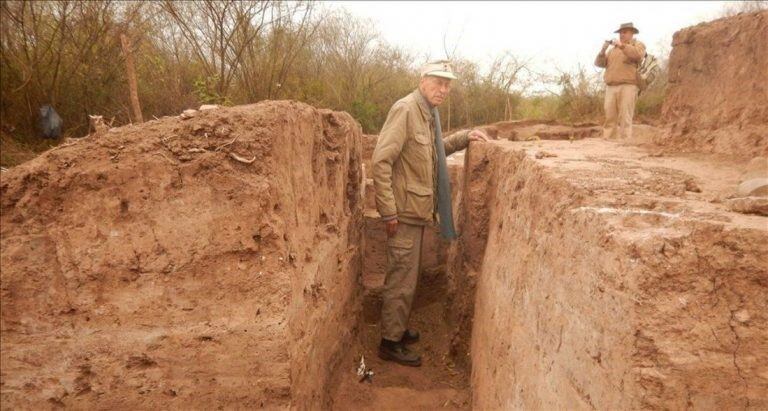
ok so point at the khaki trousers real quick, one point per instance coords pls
(403, 264)
(619, 110)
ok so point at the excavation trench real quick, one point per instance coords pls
(440, 382)
(444, 302)
(588, 275)
(150, 268)
(232, 258)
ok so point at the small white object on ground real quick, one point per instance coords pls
(362, 372)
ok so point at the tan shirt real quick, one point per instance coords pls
(621, 64)
(404, 161)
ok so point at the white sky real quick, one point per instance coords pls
(562, 34)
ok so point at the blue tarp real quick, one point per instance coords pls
(50, 122)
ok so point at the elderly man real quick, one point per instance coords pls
(410, 177)
(621, 80)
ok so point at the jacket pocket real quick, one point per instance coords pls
(418, 201)
(420, 149)
(421, 138)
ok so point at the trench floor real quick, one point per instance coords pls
(437, 384)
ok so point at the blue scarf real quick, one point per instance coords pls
(443, 183)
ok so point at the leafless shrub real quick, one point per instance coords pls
(733, 8)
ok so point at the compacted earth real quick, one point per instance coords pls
(233, 258)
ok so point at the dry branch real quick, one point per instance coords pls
(226, 144)
(241, 159)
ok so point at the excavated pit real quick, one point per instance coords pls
(234, 259)
(588, 274)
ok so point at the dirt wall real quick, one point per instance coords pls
(717, 97)
(205, 262)
(523, 130)
(609, 282)
(472, 192)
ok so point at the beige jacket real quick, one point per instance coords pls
(404, 161)
(621, 64)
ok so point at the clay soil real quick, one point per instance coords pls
(99, 354)
(717, 97)
(614, 277)
(233, 259)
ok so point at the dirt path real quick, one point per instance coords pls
(436, 384)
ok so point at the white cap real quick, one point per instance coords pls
(441, 68)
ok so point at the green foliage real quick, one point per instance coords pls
(206, 93)
(581, 97)
(542, 107)
(366, 113)
(58, 53)
(649, 103)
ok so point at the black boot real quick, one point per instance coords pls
(397, 351)
(410, 337)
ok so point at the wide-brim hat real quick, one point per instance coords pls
(440, 68)
(627, 26)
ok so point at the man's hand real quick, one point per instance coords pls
(478, 135)
(618, 43)
(391, 227)
(606, 44)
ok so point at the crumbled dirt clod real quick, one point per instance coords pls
(749, 205)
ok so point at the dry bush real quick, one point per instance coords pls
(733, 8)
(482, 97)
(68, 54)
(63, 54)
(581, 95)
(353, 69)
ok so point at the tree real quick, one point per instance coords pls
(733, 8)
(219, 33)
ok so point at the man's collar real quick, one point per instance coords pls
(426, 108)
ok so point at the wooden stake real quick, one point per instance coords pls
(131, 74)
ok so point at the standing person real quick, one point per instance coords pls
(621, 80)
(410, 177)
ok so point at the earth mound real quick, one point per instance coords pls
(717, 98)
(184, 262)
